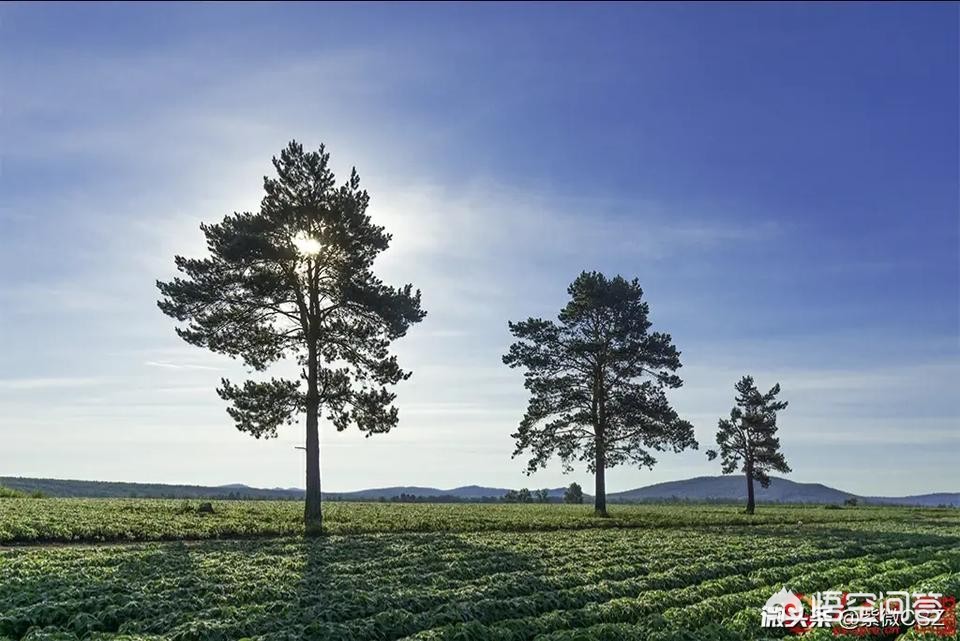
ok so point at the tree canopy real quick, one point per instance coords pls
(573, 494)
(597, 379)
(748, 439)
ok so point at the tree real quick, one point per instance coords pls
(597, 381)
(543, 496)
(749, 436)
(573, 494)
(294, 280)
(522, 495)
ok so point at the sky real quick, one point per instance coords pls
(783, 179)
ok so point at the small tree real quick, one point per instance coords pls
(596, 380)
(543, 496)
(295, 280)
(573, 494)
(749, 436)
(524, 496)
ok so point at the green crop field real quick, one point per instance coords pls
(68, 520)
(457, 572)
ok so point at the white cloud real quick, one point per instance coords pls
(168, 365)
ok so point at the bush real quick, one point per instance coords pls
(10, 493)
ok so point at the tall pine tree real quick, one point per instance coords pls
(749, 437)
(597, 381)
(294, 280)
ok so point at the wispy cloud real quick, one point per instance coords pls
(169, 365)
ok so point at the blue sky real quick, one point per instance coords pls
(783, 180)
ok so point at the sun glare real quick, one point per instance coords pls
(306, 245)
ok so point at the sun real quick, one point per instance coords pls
(306, 245)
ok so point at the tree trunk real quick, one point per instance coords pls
(749, 488)
(312, 515)
(600, 496)
(600, 418)
(600, 492)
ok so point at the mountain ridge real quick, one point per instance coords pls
(698, 489)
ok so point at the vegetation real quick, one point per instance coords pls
(73, 520)
(522, 495)
(584, 584)
(573, 494)
(749, 437)
(295, 280)
(597, 381)
(12, 493)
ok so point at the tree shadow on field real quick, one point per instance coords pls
(872, 549)
(81, 590)
(378, 586)
(840, 533)
(389, 586)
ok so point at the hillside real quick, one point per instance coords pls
(112, 489)
(734, 488)
(926, 500)
(470, 492)
(466, 493)
(700, 489)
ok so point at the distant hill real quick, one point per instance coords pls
(704, 488)
(466, 492)
(927, 500)
(111, 489)
(734, 488)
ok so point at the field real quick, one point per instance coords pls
(452, 572)
(71, 520)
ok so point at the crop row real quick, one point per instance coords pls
(694, 605)
(71, 520)
(433, 586)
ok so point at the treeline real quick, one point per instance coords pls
(573, 495)
(114, 489)
(19, 487)
(403, 497)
